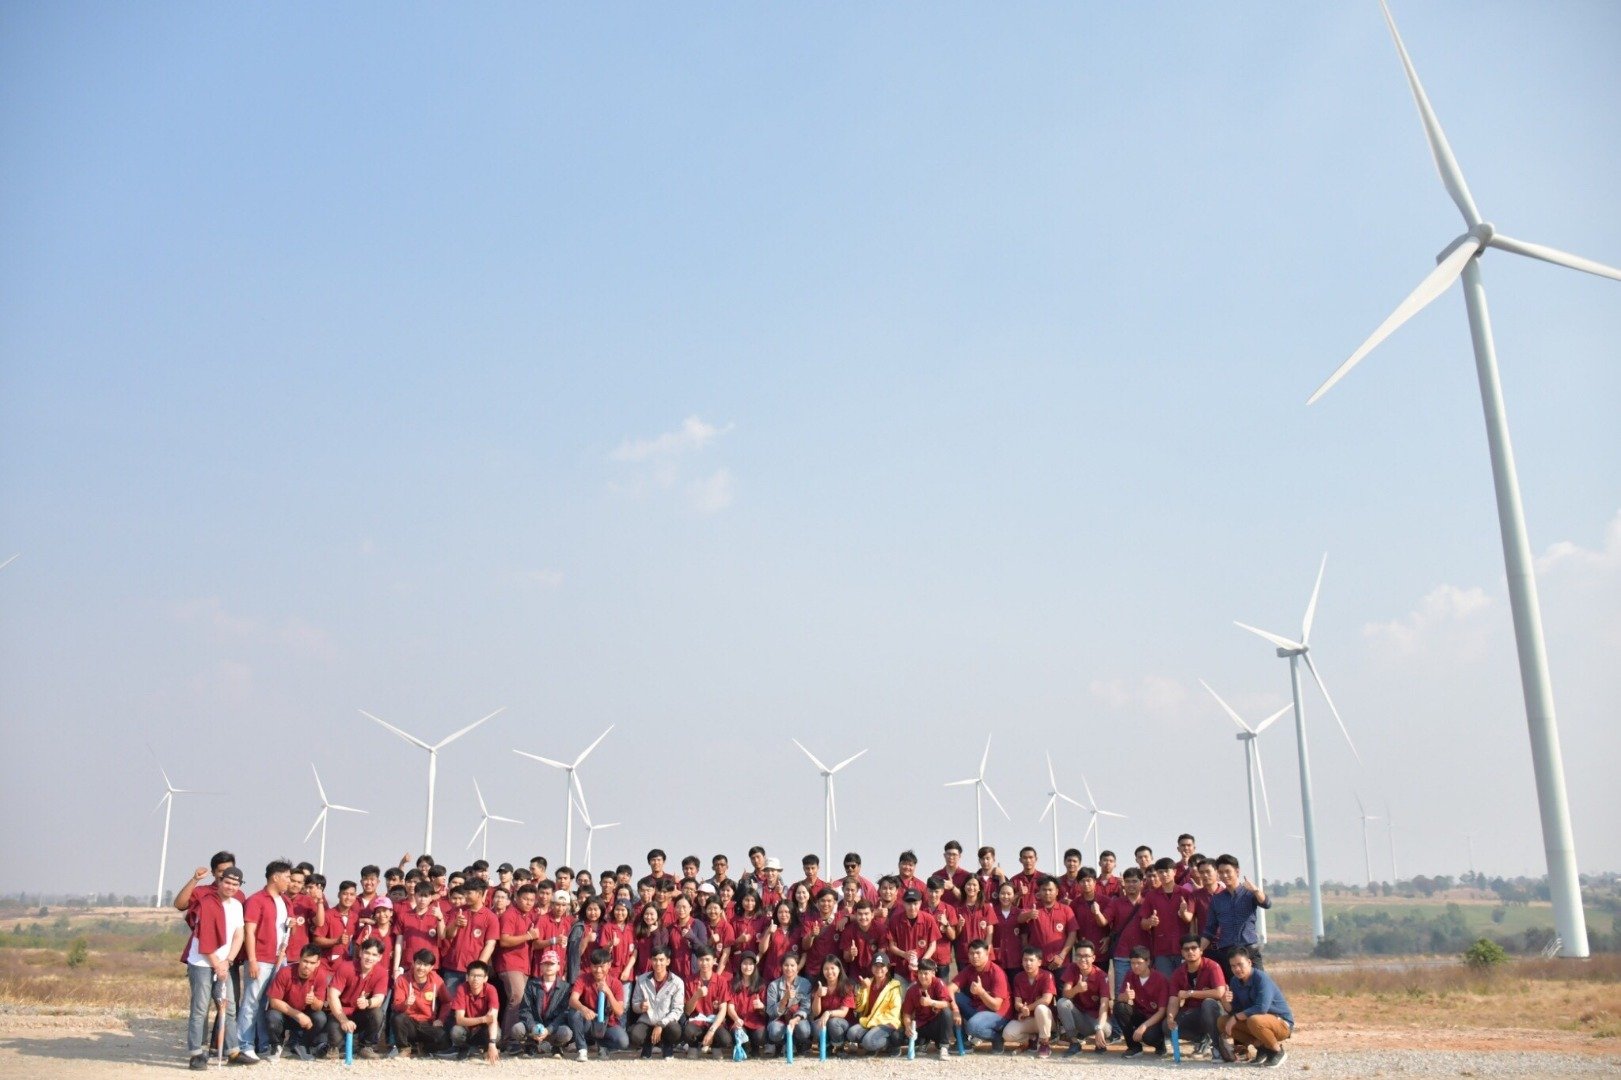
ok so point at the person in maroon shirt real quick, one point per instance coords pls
(990, 875)
(953, 873)
(913, 934)
(298, 999)
(472, 934)
(982, 1000)
(1163, 917)
(833, 1001)
(420, 927)
(927, 1009)
(745, 1004)
(819, 934)
(705, 1006)
(1140, 1012)
(812, 867)
(1028, 879)
(356, 992)
(1048, 925)
(906, 873)
(475, 1009)
(777, 941)
(519, 932)
(598, 984)
(335, 934)
(1187, 848)
(976, 921)
(859, 940)
(1194, 1008)
(1091, 916)
(1125, 926)
(852, 869)
(306, 908)
(1007, 939)
(1034, 993)
(1069, 883)
(1084, 1005)
(1108, 881)
(721, 934)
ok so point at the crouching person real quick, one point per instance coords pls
(1139, 1010)
(596, 1009)
(355, 995)
(983, 999)
(1194, 1010)
(656, 1004)
(475, 1013)
(787, 1007)
(418, 995)
(1033, 995)
(1083, 1008)
(543, 1016)
(705, 1007)
(878, 1010)
(1260, 1016)
(297, 1012)
(926, 1010)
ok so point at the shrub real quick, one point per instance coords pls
(78, 952)
(1328, 949)
(1484, 955)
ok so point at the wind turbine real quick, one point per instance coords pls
(9, 561)
(1461, 259)
(484, 823)
(1053, 795)
(980, 785)
(568, 790)
(830, 806)
(1096, 826)
(167, 804)
(1367, 862)
(1390, 830)
(1253, 773)
(1469, 839)
(1294, 652)
(320, 819)
(433, 762)
(591, 829)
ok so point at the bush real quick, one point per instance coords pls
(78, 952)
(1499, 914)
(1328, 949)
(1484, 955)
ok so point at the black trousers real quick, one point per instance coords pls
(939, 1030)
(284, 1028)
(417, 1034)
(368, 1027)
(1128, 1017)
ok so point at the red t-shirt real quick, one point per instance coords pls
(1026, 990)
(291, 990)
(993, 979)
(832, 999)
(260, 909)
(945, 914)
(1024, 887)
(1048, 930)
(1094, 983)
(514, 923)
(336, 925)
(1110, 886)
(587, 989)
(746, 930)
(911, 936)
(1153, 991)
(974, 924)
(866, 942)
(302, 921)
(958, 877)
(351, 984)
(1007, 940)
(416, 932)
(776, 942)
(750, 1005)
(1166, 938)
(620, 941)
(1208, 977)
(420, 1003)
(474, 1005)
(820, 939)
(913, 1005)
(468, 942)
(1087, 927)
(1125, 923)
(714, 998)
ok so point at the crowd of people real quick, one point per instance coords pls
(526, 960)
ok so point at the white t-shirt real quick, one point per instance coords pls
(233, 923)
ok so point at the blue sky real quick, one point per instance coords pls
(880, 375)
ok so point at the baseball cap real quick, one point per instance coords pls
(880, 958)
(382, 902)
(549, 956)
(912, 894)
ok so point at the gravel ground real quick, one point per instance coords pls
(91, 1047)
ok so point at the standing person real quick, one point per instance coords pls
(1187, 849)
(1034, 993)
(656, 1005)
(378, 926)
(1028, 879)
(913, 934)
(819, 933)
(787, 1006)
(355, 996)
(811, 866)
(721, 935)
(745, 1004)
(878, 1010)
(906, 873)
(719, 867)
(1085, 1003)
(1140, 1012)
(705, 1007)
(192, 892)
(519, 932)
(1049, 926)
(1007, 940)
(754, 878)
(1125, 926)
(216, 939)
(297, 1000)
(927, 1008)
(598, 984)
(833, 1002)
(976, 921)
(335, 935)
(852, 869)
(306, 907)
(935, 903)
(953, 873)
(619, 938)
(1260, 1015)
(1069, 883)
(420, 927)
(1230, 920)
(555, 926)
(264, 950)
(989, 873)
(1163, 911)
(584, 935)
(473, 934)
(1091, 918)
(771, 888)
(475, 1010)
(1109, 883)
(860, 940)
(1194, 1008)
(418, 996)
(983, 1000)
(777, 941)
(655, 868)
(1145, 858)
(687, 935)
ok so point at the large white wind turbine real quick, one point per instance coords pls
(591, 828)
(485, 817)
(1096, 826)
(320, 819)
(570, 783)
(980, 785)
(1295, 652)
(830, 806)
(1461, 259)
(1252, 774)
(1053, 796)
(1367, 861)
(167, 805)
(433, 763)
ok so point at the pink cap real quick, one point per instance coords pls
(549, 956)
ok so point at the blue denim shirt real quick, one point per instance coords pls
(1258, 995)
(1231, 918)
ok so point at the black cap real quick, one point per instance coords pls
(880, 958)
(911, 895)
(231, 873)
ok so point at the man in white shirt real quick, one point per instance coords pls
(215, 941)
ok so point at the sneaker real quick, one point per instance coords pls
(583, 1055)
(602, 1053)
(1262, 1057)
(1074, 1048)
(302, 1053)
(247, 1052)
(369, 1053)
(276, 1052)
(1134, 1051)
(1277, 1058)
(393, 1052)
(198, 1063)
(1045, 1050)
(945, 1055)
(239, 1059)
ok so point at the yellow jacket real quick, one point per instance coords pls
(884, 1010)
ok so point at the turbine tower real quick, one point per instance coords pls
(1095, 827)
(1367, 861)
(591, 829)
(1390, 831)
(1252, 774)
(320, 819)
(167, 805)
(1461, 258)
(1295, 652)
(979, 786)
(1053, 796)
(830, 806)
(484, 823)
(433, 763)
(570, 782)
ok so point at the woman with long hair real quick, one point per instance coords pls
(777, 940)
(975, 920)
(833, 1002)
(584, 935)
(651, 933)
(745, 1007)
(748, 924)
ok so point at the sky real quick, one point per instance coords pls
(880, 376)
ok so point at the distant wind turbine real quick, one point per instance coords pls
(830, 805)
(166, 804)
(1253, 774)
(1367, 861)
(484, 823)
(433, 763)
(1295, 652)
(1053, 797)
(980, 785)
(1390, 831)
(320, 819)
(9, 561)
(570, 782)
(591, 828)
(1096, 826)
(1461, 258)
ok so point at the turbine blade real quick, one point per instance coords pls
(9, 561)
(349, 809)
(833, 803)
(318, 819)
(960, 783)
(1268, 722)
(1052, 777)
(1090, 798)
(1553, 255)
(542, 760)
(1091, 826)
(161, 801)
(1311, 607)
(587, 751)
(1434, 284)
(447, 740)
(478, 832)
(607, 825)
(412, 739)
(1313, 669)
(511, 821)
(1229, 709)
(814, 759)
(318, 786)
(1111, 813)
(1260, 774)
(1445, 163)
(579, 795)
(585, 817)
(1072, 802)
(1363, 810)
(480, 793)
(985, 757)
(846, 761)
(1045, 810)
(166, 781)
(1280, 642)
(995, 800)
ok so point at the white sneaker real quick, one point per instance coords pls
(945, 1055)
(247, 1052)
(583, 1055)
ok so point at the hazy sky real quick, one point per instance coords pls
(876, 375)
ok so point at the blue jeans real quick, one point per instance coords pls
(874, 1040)
(776, 1033)
(252, 1031)
(979, 1022)
(203, 991)
(1166, 965)
(614, 1036)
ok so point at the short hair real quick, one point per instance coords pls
(1190, 939)
(527, 889)
(852, 857)
(307, 867)
(310, 952)
(1045, 880)
(521, 875)
(690, 860)
(664, 951)
(1142, 848)
(1141, 953)
(372, 944)
(1088, 874)
(478, 965)
(601, 956)
(756, 850)
(951, 845)
(657, 853)
(438, 870)
(1074, 852)
(393, 873)
(370, 870)
(1131, 874)
(1026, 848)
(701, 951)
(936, 882)
(927, 964)
(1226, 860)
(1165, 864)
(810, 860)
(1085, 943)
(1184, 836)
(1031, 950)
(977, 943)
(277, 866)
(623, 869)
(863, 904)
(1241, 950)
(987, 850)
(312, 879)
(1104, 852)
(907, 856)
(424, 956)
(342, 885)
(221, 860)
